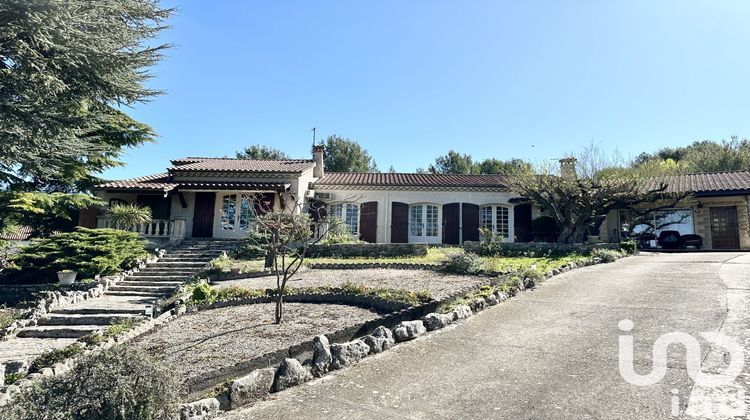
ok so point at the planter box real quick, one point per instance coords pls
(67, 277)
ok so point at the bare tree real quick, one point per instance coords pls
(287, 234)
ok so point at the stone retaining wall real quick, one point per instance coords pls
(367, 250)
(541, 248)
(363, 266)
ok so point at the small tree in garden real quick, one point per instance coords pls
(128, 216)
(288, 233)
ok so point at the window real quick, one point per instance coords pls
(423, 223)
(348, 213)
(232, 219)
(655, 222)
(247, 213)
(496, 219)
(228, 212)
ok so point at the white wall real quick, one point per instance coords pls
(385, 198)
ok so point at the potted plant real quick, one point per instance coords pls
(67, 277)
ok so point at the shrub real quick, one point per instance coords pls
(252, 247)
(12, 378)
(606, 255)
(117, 383)
(629, 246)
(127, 216)
(50, 357)
(202, 293)
(463, 263)
(338, 233)
(87, 251)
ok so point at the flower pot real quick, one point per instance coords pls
(66, 277)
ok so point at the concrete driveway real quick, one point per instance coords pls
(549, 353)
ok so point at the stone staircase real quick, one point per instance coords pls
(130, 297)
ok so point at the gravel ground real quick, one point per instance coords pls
(212, 339)
(439, 285)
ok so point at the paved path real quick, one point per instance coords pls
(549, 353)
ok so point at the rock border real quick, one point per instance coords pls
(259, 384)
(363, 266)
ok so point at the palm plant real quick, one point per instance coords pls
(128, 216)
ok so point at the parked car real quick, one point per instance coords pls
(644, 240)
(693, 240)
(670, 239)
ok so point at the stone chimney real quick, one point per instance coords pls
(317, 152)
(568, 168)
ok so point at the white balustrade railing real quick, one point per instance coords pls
(156, 228)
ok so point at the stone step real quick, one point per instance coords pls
(58, 331)
(185, 258)
(140, 288)
(165, 283)
(101, 311)
(167, 271)
(135, 293)
(157, 277)
(177, 264)
(84, 319)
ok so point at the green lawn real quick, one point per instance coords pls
(434, 256)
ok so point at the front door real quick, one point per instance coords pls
(725, 231)
(203, 218)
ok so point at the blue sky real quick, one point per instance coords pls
(412, 79)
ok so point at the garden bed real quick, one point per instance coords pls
(209, 340)
(439, 285)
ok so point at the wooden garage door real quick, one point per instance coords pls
(451, 223)
(725, 230)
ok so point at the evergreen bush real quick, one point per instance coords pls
(87, 251)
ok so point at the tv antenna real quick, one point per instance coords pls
(313, 130)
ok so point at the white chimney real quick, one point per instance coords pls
(317, 152)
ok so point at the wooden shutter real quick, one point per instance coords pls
(368, 222)
(399, 223)
(522, 222)
(263, 203)
(470, 222)
(451, 223)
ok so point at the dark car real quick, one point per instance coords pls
(693, 240)
(670, 239)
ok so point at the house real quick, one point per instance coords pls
(213, 197)
(717, 210)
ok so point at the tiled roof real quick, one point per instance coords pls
(240, 165)
(412, 180)
(248, 186)
(162, 182)
(148, 182)
(709, 182)
(22, 233)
